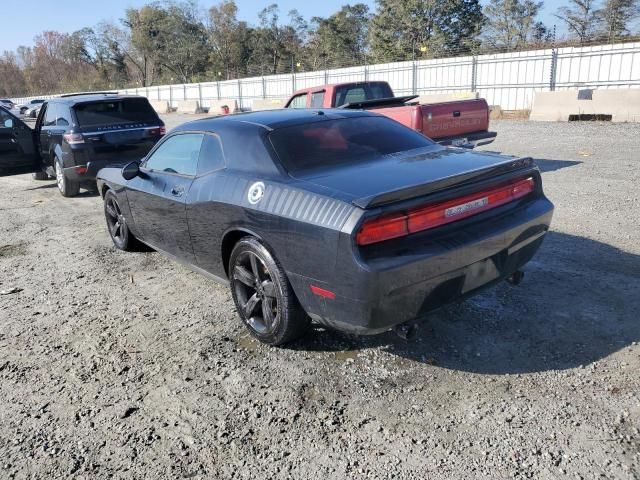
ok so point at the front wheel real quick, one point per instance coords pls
(263, 296)
(117, 224)
(67, 187)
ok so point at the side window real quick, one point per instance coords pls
(350, 95)
(299, 101)
(63, 118)
(177, 154)
(211, 156)
(49, 115)
(317, 99)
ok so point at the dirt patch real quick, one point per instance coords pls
(13, 250)
(127, 365)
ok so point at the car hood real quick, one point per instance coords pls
(408, 174)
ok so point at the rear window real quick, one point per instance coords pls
(342, 142)
(128, 110)
(361, 92)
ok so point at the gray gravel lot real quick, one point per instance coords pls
(127, 365)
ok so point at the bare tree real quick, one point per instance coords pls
(581, 18)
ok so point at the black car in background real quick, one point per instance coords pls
(76, 135)
(343, 216)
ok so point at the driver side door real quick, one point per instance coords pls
(17, 147)
(158, 195)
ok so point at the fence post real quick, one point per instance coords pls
(184, 91)
(414, 82)
(239, 94)
(366, 73)
(474, 73)
(200, 94)
(293, 81)
(554, 69)
(170, 96)
(264, 88)
(326, 77)
(218, 88)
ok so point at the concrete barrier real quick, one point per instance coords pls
(267, 104)
(446, 97)
(621, 105)
(160, 106)
(216, 106)
(188, 106)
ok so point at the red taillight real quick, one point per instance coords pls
(383, 228)
(158, 131)
(73, 138)
(424, 218)
(81, 169)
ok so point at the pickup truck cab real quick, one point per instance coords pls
(462, 123)
(76, 135)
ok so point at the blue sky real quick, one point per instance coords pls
(26, 18)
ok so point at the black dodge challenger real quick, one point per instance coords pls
(344, 217)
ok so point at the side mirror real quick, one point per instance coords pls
(130, 170)
(8, 123)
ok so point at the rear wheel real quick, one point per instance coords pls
(263, 296)
(67, 187)
(117, 224)
(40, 176)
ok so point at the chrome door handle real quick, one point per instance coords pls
(177, 191)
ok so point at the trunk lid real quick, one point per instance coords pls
(411, 174)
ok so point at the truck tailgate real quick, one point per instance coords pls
(453, 119)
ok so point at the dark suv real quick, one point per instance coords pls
(77, 135)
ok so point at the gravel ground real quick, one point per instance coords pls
(126, 365)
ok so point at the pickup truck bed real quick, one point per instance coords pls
(463, 123)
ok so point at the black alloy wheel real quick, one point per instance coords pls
(116, 222)
(263, 296)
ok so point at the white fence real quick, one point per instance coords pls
(508, 80)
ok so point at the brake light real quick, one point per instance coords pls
(158, 131)
(81, 170)
(73, 138)
(383, 228)
(424, 218)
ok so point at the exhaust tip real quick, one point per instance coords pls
(516, 277)
(406, 331)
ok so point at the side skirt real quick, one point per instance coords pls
(191, 266)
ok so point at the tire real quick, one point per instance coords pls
(119, 232)
(40, 176)
(263, 296)
(67, 187)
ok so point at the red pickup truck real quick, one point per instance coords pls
(462, 123)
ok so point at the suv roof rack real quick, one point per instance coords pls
(87, 93)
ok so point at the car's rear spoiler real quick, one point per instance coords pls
(414, 191)
(379, 102)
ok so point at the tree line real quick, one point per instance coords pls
(179, 42)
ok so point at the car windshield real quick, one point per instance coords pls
(342, 142)
(127, 110)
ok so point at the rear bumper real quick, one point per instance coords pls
(449, 270)
(470, 140)
(79, 174)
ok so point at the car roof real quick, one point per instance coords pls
(91, 97)
(272, 119)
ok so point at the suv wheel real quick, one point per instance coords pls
(67, 187)
(263, 296)
(40, 176)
